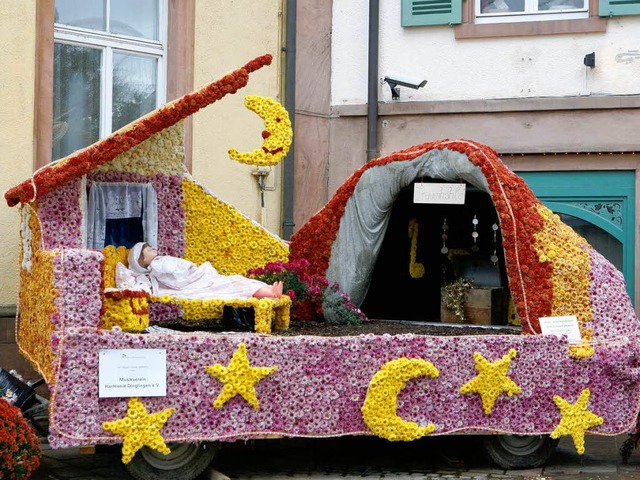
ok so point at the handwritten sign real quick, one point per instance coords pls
(442, 193)
(558, 326)
(132, 372)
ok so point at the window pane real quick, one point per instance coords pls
(603, 242)
(135, 19)
(134, 87)
(560, 4)
(76, 98)
(81, 13)
(501, 6)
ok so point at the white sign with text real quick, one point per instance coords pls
(442, 193)
(129, 372)
(558, 326)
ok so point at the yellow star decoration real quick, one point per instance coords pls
(492, 380)
(576, 419)
(139, 429)
(239, 378)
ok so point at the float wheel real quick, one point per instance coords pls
(185, 462)
(519, 451)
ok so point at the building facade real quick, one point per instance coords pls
(553, 86)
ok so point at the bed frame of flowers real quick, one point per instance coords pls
(226, 387)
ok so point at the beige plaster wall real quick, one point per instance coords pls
(481, 68)
(17, 76)
(227, 35)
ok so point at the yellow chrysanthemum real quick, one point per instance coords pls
(139, 428)
(564, 248)
(379, 410)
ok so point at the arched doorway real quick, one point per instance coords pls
(599, 205)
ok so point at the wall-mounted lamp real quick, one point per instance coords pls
(395, 81)
(590, 60)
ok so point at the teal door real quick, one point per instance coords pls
(599, 205)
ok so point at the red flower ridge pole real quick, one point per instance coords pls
(85, 160)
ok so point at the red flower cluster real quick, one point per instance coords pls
(126, 293)
(304, 289)
(83, 161)
(19, 445)
(310, 294)
(529, 280)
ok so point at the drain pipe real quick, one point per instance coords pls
(372, 96)
(290, 104)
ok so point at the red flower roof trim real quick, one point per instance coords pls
(85, 160)
(529, 280)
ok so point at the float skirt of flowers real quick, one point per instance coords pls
(321, 385)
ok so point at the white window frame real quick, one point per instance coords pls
(530, 14)
(108, 43)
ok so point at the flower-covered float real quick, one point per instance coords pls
(239, 386)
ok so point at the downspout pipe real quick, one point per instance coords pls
(290, 104)
(372, 96)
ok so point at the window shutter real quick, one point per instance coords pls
(433, 12)
(614, 8)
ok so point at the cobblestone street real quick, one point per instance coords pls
(434, 458)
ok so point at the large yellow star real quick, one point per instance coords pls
(239, 378)
(492, 380)
(576, 419)
(139, 429)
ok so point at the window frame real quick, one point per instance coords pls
(179, 68)
(110, 43)
(531, 13)
(470, 29)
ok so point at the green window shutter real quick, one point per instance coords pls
(432, 12)
(614, 8)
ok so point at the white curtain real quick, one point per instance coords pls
(121, 200)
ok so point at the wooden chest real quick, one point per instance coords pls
(483, 306)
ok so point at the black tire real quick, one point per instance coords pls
(513, 452)
(185, 462)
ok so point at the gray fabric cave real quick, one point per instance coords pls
(367, 212)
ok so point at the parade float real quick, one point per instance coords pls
(118, 375)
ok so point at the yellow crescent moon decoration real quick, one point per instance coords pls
(379, 410)
(277, 134)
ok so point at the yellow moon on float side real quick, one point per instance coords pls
(380, 407)
(277, 134)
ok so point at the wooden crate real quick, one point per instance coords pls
(483, 306)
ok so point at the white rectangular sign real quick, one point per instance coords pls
(129, 372)
(558, 326)
(444, 193)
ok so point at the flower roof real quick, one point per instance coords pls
(83, 161)
(552, 271)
